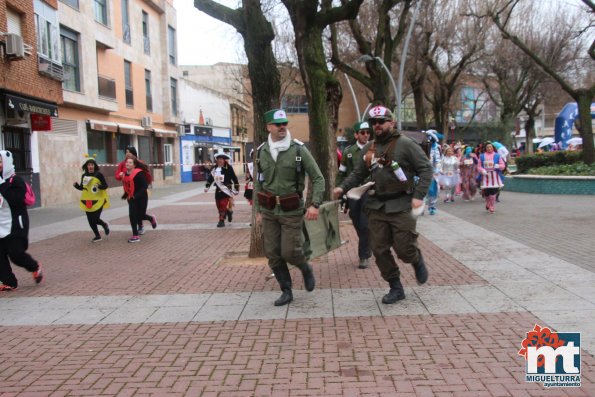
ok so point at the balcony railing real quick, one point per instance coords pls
(107, 87)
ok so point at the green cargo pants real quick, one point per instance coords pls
(393, 230)
(283, 240)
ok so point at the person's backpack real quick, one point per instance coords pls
(29, 193)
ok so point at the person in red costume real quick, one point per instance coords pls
(135, 191)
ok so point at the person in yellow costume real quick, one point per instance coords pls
(94, 197)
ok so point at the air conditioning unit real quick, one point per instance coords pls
(208, 121)
(146, 122)
(15, 46)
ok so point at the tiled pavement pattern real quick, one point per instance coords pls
(185, 313)
(559, 225)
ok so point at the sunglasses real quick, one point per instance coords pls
(364, 132)
(377, 121)
(281, 124)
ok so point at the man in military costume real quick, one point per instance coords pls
(281, 165)
(392, 161)
(352, 156)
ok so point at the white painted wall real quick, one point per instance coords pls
(214, 105)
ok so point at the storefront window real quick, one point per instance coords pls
(144, 148)
(97, 146)
(122, 141)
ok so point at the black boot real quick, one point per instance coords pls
(229, 216)
(284, 279)
(308, 274)
(421, 272)
(396, 292)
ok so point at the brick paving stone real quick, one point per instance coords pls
(471, 354)
(342, 363)
(178, 264)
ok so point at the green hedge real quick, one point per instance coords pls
(575, 169)
(563, 157)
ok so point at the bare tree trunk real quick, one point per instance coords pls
(258, 34)
(420, 110)
(584, 99)
(323, 90)
(530, 134)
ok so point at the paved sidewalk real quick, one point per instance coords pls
(559, 225)
(186, 313)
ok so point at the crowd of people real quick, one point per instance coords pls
(463, 170)
(387, 182)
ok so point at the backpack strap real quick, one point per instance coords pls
(385, 157)
(258, 149)
(298, 164)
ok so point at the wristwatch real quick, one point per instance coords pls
(316, 205)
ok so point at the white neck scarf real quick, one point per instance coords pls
(279, 146)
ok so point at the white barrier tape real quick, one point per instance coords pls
(150, 165)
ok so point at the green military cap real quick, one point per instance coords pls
(364, 125)
(275, 116)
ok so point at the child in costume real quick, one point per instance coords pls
(14, 226)
(436, 160)
(94, 197)
(224, 177)
(490, 166)
(468, 167)
(449, 177)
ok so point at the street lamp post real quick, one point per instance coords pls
(402, 65)
(353, 96)
(399, 91)
(366, 58)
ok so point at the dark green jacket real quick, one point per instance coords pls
(352, 156)
(412, 160)
(280, 177)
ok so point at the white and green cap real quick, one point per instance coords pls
(275, 116)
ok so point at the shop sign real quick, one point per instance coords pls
(18, 103)
(40, 122)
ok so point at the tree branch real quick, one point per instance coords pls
(590, 4)
(347, 10)
(222, 13)
(520, 44)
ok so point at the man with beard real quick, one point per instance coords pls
(392, 161)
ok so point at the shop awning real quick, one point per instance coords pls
(165, 133)
(130, 129)
(24, 104)
(100, 125)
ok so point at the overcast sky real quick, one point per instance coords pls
(203, 40)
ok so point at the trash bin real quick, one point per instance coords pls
(197, 173)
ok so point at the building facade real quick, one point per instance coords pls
(232, 84)
(91, 77)
(30, 91)
(120, 88)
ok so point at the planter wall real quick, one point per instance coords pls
(544, 184)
